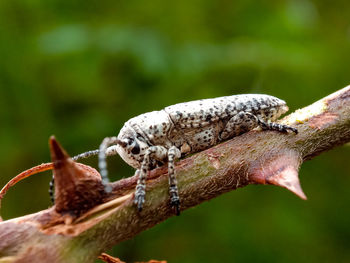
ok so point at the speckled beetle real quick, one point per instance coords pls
(152, 139)
(159, 137)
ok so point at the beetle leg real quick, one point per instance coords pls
(102, 164)
(173, 154)
(246, 121)
(238, 124)
(51, 191)
(103, 151)
(153, 152)
(276, 126)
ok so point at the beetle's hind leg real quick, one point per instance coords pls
(238, 124)
(173, 153)
(246, 121)
(276, 127)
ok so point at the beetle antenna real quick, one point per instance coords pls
(85, 155)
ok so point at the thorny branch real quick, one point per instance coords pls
(86, 221)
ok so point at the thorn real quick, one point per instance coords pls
(58, 154)
(77, 187)
(289, 179)
(281, 169)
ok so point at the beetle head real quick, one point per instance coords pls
(132, 148)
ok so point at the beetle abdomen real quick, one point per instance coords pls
(203, 112)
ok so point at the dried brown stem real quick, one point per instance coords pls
(86, 221)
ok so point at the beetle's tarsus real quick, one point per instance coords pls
(175, 204)
(139, 200)
(294, 130)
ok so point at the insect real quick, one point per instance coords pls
(161, 137)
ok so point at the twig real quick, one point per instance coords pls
(85, 221)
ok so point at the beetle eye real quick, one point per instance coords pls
(136, 148)
(130, 141)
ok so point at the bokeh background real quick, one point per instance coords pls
(80, 69)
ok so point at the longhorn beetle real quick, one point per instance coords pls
(161, 137)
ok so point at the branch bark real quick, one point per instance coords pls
(86, 221)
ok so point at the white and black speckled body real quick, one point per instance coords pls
(154, 138)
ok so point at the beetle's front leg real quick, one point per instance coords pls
(154, 152)
(102, 152)
(173, 153)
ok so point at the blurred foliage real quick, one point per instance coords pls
(80, 69)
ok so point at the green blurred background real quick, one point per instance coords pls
(80, 69)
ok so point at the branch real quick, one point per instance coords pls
(86, 221)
